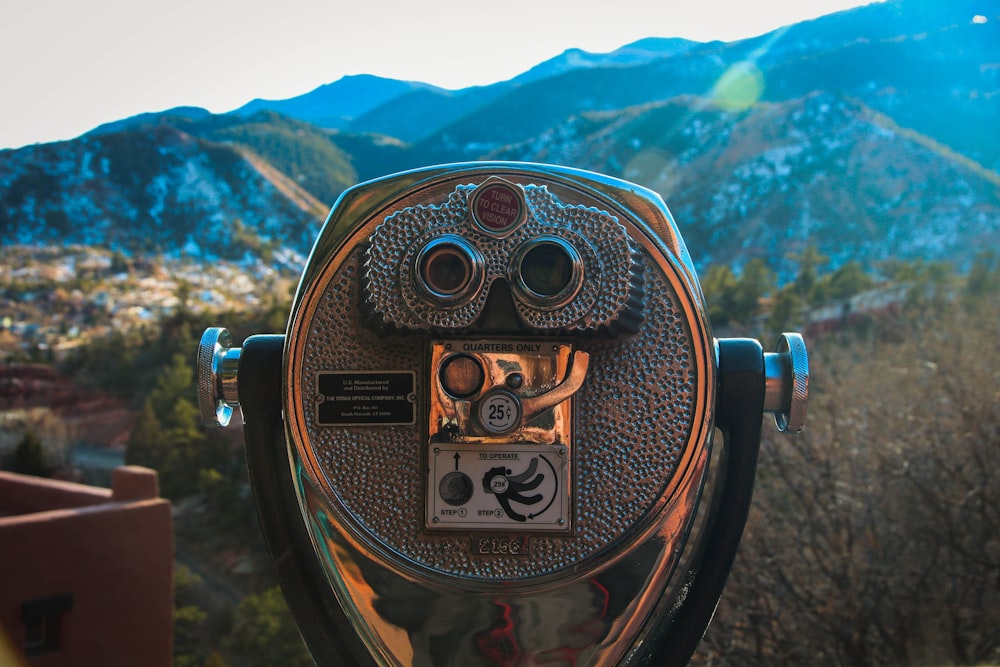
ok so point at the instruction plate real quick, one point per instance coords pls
(498, 487)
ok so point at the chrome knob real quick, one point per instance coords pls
(786, 372)
(218, 367)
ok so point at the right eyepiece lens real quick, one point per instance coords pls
(549, 272)
(546, 269)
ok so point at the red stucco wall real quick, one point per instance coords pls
(111, 551)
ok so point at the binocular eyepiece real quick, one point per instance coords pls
(457, 263)
(486, 436)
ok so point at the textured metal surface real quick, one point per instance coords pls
(215, 409)
(640, 394)
(790, 413)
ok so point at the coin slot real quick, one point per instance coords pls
(500, 412)
(462, 376)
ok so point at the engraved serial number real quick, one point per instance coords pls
(500, 546)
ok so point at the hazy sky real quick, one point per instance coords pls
(67, 66)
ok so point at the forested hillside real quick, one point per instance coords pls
(874, 535)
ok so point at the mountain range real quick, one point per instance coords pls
(871, 134)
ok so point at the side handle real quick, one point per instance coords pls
(321, 621)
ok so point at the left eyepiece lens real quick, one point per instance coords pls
(446, 270)
(449, 270)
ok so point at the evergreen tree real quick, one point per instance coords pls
(167, 436)
(215, 660)
(265, 634)
(175, 383)
(720, 285)
(931, 291)
(984, 276)
(120, 263)
(785, 310)
(845, 282)
(147, 445)
(807, 281)
(756, 282)
(29, 457)
(735, 300)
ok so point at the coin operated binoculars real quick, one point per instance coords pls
(486, 437)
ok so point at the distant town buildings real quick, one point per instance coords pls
(55, 299)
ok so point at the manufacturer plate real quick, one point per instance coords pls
(354, 398)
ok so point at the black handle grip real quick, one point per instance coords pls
(322, 623)
(739, 410)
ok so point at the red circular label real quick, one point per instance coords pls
(497, 206)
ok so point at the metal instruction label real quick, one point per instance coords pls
(511, 487)
(366, 398)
